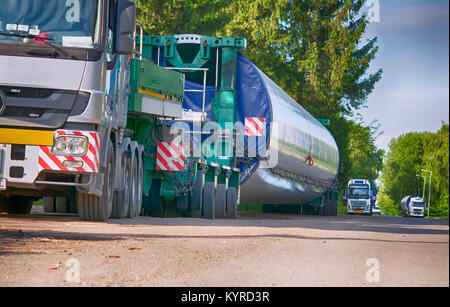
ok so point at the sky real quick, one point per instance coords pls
(413, 40)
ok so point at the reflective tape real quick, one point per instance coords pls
(170, 157)
(255, 126)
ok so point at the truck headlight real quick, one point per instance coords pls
(70, 145)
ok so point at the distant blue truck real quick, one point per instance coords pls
(360, 197)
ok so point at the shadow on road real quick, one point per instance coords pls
(10, 240)
(383, 224)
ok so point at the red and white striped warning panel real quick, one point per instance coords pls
(88, 163)
(170, 157)
(255, 126)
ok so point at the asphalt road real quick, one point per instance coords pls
(253, 250)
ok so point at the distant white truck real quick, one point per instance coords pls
(413, 205)
(360, 197)
(376, 210)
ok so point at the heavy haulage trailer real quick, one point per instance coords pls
(100, 121)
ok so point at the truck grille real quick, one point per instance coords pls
(358, 204)
(26, 112)
(26, 92)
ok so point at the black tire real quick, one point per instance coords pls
(48, 203)
(183, 205)
(18, 205)
(171, 209)
(221, 201)
(197, 196)
(94, 208)
(71, 204)
(209, 200)
(267, 209)
(156, 201)
(121, 198)
(232, 203)
(2, 203)
(145, 206)
(140, 183)
(335, 208)
(61, 205)
(132, 208)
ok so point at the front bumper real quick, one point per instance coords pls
(358, 208)
(358, 211)
(26, 165)
(415, 212)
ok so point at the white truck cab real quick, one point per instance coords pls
(413, 205)
(359, 197)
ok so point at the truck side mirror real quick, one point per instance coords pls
(125, 26)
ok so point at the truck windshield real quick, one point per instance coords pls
(66, 23)
(418, 204)
(358, 191)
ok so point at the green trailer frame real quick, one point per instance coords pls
(156, 95)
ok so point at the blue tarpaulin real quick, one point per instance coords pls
(253, 100)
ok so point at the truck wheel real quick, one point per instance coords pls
(140, 186)
(232, 203)
(121, 200)
(145, 206)
(171, 209)
(335, 208)
(156, 201)
(94, 208)
(183, 205)
(197, 196)
(2, 204)
(18, 205)
(61, 205)
(209, 199)
(49, 204)
(267, 209)
(221, 201)
(132, 208)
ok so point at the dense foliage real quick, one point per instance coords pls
(171, 17)
(409, 154)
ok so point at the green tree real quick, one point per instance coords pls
(314, 50)
(170, 17)
(387, 205)
(402, 164)
(410, 153)
(359, 156)
(367, 160)
(436, 159)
